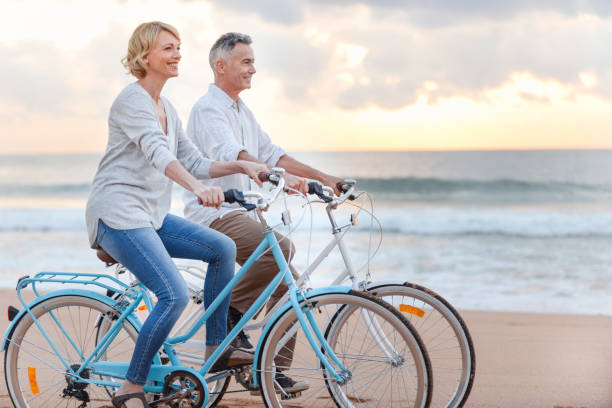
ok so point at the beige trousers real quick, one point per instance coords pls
(247, 233)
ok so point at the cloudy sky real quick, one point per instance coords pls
(332, 74)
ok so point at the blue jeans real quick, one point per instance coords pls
(147, 254)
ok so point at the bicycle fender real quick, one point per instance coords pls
(309, 294)
(72, 292)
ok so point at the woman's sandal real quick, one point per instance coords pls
(226, 361)
(118, 400)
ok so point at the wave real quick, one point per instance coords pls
(45, 190)
(413, 220)
(406, 188)
(414, 188)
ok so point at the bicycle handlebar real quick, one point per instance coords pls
(275, 176)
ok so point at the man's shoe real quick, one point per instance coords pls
(288, 385)
(231, 358)
(242, 340)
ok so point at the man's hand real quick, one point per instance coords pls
(209, 196)
(252, 169)
(297, 183)
(333, 182)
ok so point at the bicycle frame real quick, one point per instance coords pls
(138, 292)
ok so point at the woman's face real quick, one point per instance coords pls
(164, 57)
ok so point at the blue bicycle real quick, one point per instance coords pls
(71, 347)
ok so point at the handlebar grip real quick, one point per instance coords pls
(344, 187)
(236, 196)
(271, 177)
(233, 196)
(317, 189)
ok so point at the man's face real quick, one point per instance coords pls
(240, 67)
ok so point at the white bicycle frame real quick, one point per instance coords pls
(337, 240)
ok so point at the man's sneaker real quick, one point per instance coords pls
(242, 340)
(288, 385)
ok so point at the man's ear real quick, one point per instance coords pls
(220, 66)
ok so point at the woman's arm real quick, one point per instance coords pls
(209, 195)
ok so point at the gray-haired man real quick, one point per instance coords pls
(224, 129)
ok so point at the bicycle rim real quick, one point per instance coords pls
(377, 379)
(35, 375)
(444, 334)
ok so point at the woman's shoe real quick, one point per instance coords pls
(231, 358)
(118, 400)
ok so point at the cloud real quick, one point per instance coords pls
(284, 12)
(35, 77)
(433, 13)
(465, 47)
(41, 78)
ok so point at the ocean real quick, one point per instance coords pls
(488, 230)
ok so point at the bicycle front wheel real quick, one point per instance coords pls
(445, 335)
(35, 375)
(387, 363)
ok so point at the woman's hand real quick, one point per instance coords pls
(252, 169)
(209, 196)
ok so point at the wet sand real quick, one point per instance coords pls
(522, 360)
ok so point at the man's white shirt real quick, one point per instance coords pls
(221, 129)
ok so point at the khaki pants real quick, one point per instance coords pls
(247, 234)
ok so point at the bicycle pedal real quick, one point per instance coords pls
(290, 396)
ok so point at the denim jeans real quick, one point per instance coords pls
(147, 254)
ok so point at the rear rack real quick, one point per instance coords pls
(110, 283)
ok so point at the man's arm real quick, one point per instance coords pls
(300, 169)
(296, 183)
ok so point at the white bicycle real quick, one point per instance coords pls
(441, 328)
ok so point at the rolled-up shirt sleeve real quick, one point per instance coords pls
(212, 133)
(269, 153)
(189, 155)
(134, 116)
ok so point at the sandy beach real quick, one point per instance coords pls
(522, 360)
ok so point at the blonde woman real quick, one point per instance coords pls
(127, 211)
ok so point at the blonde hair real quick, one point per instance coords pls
(140, 45)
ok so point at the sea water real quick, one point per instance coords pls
(488, 230)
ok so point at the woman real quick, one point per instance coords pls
(127, 211)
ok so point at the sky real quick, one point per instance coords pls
(331, 74)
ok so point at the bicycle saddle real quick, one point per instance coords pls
(105, 257)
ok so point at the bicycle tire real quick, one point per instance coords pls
(35, 376)
(357, 350)
(445, 335)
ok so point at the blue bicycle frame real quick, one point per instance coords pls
(125, 309)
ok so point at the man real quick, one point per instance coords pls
(224, 129)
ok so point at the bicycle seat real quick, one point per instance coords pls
(105, 257)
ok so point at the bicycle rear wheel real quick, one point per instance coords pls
(445, 335)
(35, 375)
(388, 365)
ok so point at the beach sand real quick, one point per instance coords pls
(522, 360)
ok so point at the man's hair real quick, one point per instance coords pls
(224, 45)
(140, 44)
